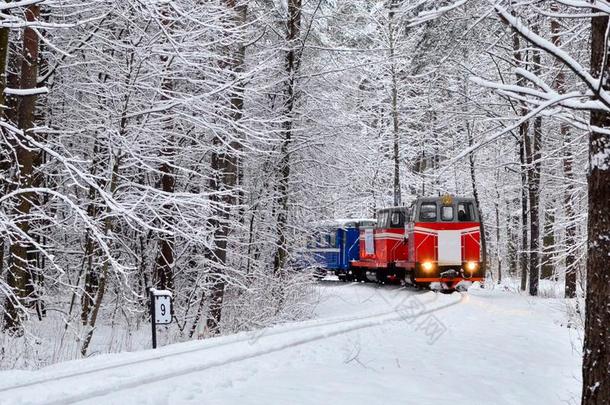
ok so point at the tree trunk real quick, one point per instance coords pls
(19, 277)
(524, 256)
(221, 170)
(547, 266)
(534, 164)
(570, 235)
(497, 208)
(395, 117)
(237, 105)
(532, 149)
(90, 265)
(225, 166)
(4, 150)
(101, 288)
(520, 57)
(4, 51)
(108, 226)
(596, 361)
(512, 238)
(292, 63)
(475, 194)
(165, 255)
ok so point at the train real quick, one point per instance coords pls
(435, 244)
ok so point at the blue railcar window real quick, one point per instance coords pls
(332, 240)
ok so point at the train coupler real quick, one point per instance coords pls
(451, 273)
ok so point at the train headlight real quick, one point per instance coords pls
(471, 266)
(427, 266)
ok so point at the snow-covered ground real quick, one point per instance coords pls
(367, 345)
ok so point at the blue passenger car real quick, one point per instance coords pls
(334, 246)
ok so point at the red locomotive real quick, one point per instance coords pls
(434, 243)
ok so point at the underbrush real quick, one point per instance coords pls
(123, 328)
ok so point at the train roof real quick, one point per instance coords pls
(427, 198)
(443, 197)
(402, 207)
(438, 197)
(345, 222)
(354, 221)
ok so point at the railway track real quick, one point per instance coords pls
(201, 346)
(95, 382)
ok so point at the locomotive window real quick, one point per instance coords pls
(366, 224)
(465, 212)
(397, 220)
(447, 213)
(427, 212)
(382, 220)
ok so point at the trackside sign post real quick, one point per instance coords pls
(160, 311)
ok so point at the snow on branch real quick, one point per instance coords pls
(598, 5)
(428, 15)
(17, 4)
(533, 113)
(548, 95)
(26, 92)
(565, 58)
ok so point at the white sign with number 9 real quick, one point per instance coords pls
(163, 309)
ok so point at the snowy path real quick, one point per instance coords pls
(367, 345)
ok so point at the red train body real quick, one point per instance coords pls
(436, 242)
(387, 248)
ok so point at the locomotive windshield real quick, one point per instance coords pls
(447, 209)
(466, 212)
(427, 212)
(447, 213)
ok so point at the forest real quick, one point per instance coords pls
(189, 146)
